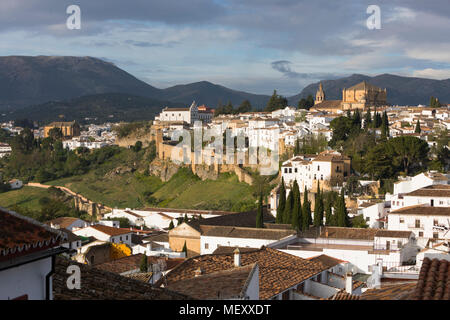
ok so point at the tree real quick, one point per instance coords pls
(309, 101)
(171, 226)
(144, 264)
(288, 209)
(296, 207)
(379, 162)
(259, 215)
(359, 222)
(408, 151)
(342, 219)
(318, 208)
(306, 211)
(384, 126)
(418, 129)
(303, 104)
(276, 102)
(329, 215)
(185, 249)
(245, 106)
(297, 147)
(367, 119)
(281, 202)
(137, 146)
(55, 133)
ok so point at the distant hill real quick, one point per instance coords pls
(205, 92)
(400, 90)
(26, 81)
(99, 108)
(33, 80)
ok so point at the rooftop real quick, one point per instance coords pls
(102, 285)
(224, 284)
(423, 210)
(278, 271)
(133, 262)
(251, 233)
(434, 280)
(437, 190)
(22, 235)
(111, 231)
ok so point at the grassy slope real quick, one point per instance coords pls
(132, 190)
(26, 197)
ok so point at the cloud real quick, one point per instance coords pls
(284, 67)
(430, 73)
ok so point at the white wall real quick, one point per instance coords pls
(25, 279)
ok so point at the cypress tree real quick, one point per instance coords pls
(185, 249)
(144, 264)
(367, 119)
(384, 126)
(296, 207)
(259, 216)
(297, 147)
(328, 215)
(318, 208)
(281, 203)
(342, 218)
(418, 129)
(288, 209)
(306, 211)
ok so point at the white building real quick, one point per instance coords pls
(15, 184)
(424, 220)
(27, 257)
(436, 195)
(361, 248)
(308, 169)
(5, 150)
(374, 213)
(188, 115)
(221, 236)
(106, 233)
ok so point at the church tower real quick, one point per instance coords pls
(320, 95)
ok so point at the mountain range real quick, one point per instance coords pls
(50, 86)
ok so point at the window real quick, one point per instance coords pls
(367, 219)
(435, 235)
(420, 234)
(285, 170)
(402, 220)
(321, 177)
(315, 177)
(318, 168)
(399, 244)
(435, 222)
(290, 170)
(432, 202)
(206, 246)
(295, 170)
(417, 225)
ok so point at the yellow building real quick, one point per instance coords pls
(359, 96)
(68, 129)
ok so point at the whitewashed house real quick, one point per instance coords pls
(106, 233)
(188, 115)
(27, 257)
(214, 237)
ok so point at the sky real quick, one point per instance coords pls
(250, 45)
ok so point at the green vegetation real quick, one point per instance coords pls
(276, 102)
(245, 106)
(306, 103)
(41, 204)
(125, 129)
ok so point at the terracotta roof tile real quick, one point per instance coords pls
(400, 291)
(278, 271)
(111, 231)
(434, 280)
(224, 284)
(133, 262)
(22, 235)
(423, 210)
(102, 285)
(441, 190)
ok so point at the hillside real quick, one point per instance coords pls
(205, 92)
(26, 80)
(100, 108)
(401, 90)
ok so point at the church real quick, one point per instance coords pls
(360, 96)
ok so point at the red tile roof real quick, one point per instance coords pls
(111, 231)
(278, 271)
(434, 280)
(22, 235)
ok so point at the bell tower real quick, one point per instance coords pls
(320, 95)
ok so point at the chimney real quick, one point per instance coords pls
(349, 282)
(149, 248)
(198, 272)
(237, 258)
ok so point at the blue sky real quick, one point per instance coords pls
(249, 45)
